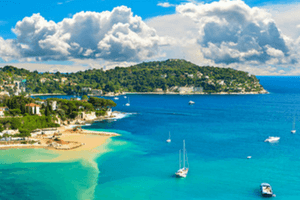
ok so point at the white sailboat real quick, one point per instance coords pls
(169, 140)
(182, 172)
(293, 131)
(128, 104)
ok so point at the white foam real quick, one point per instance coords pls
(121, 115)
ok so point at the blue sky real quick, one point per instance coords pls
(261, 37)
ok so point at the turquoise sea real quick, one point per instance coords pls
(220, 132)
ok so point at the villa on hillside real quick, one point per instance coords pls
(2, 110)
(63, 79)
(35, 108)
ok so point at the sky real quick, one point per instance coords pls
(260, 37)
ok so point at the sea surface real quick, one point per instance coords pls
(220, 131)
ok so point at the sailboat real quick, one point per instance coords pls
(293, 131)
(128, 104)
(169, 140)
(182, 172)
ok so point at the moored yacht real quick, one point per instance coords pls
(266, 190)
(182, 172)
(191, 102)
(272, 139)
(128, 104)
(116, 98)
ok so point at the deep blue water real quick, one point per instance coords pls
(220, 132)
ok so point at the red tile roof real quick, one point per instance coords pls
(32, 105)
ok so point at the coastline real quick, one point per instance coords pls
(164, 93)
(47, 94)
(202, 93)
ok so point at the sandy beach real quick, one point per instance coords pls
(88, 151)
(76, 144)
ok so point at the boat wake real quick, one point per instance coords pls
(122, 115)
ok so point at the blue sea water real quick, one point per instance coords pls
(220, 131)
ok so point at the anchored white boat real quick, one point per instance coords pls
(266, 190)
(125, 97)
(116, 98)
(191, 102)
(128, 104)
(182, 172)
(293, 131)
(169, 140)
(272, 139)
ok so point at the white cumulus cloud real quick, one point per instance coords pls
(165, 4)
(114, 36)
(233, 32)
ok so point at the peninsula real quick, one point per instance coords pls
(173, 76)
(53, 123)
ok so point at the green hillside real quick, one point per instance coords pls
(164, 76)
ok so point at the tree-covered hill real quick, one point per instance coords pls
(165, 76)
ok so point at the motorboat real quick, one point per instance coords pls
(191, 102)
(272, 139)
(116, 98)
(249, 157)
(266, 190)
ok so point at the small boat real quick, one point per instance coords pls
(116, 98)
(128, 104)
(169, 140)
(266, 190)
(249, 157)
(182, 172)
(191, 102)
(293, 131)
(125, 97)
(272, 139)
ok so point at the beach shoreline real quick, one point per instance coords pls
(77, 138)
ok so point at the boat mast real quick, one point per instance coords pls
(179, 159)
(187, 160)
(294, 124)
(183, 154)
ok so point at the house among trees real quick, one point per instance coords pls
(2, 110)
(33, 108)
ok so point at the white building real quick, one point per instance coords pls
(2, 110)
(35, 108)
(54, 105)
(109, 112)
(88, 116)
